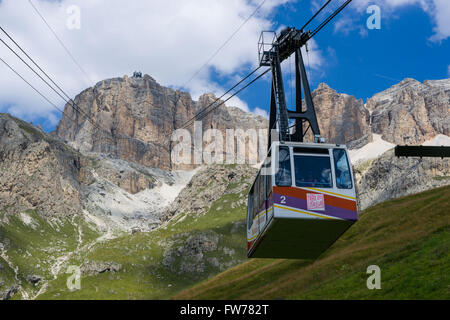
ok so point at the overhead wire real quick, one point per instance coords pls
(199, 115)
(72, 104)
(184, 125)
(60, 41)
(224, 44)
(212, 57)
(40, 69)
(236, 93)
(34, 88)
(67, 101)
(330, 17)
(315, 15)
(29, 84)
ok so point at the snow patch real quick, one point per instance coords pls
(379, 146)
(29, 221)
(439, 140)
(371, 150)
(168, 193)
(136, 211)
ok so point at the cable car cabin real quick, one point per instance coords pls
(301, 202)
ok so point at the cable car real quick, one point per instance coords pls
(303, 198)
(301, 202)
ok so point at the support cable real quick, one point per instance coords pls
(236, 93)
(211, 104)
(60, 41)
(223, 45)
(315, 15)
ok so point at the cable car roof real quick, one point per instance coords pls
(309, 144)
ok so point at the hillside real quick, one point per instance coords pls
(408, 238)
(139, 229)
(191, 247)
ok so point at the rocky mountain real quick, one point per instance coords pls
(342, 118)
(104, 193)
(411, 112)
(38, 172)
(133, 119)
(388, 177)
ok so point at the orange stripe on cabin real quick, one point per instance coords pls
(329, 199)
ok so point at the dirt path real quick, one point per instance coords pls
(16, 274)
(55, 269)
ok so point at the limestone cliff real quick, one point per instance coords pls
(133, 119)
(342, 118)
(388, 177)
(411, 112)
(38, 172)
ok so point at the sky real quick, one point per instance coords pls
(176, 42)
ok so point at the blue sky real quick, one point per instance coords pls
(170, 40)
(363, 65)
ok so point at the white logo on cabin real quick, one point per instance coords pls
(315, 201)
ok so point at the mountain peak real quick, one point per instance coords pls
(408, 81)
(323, 86)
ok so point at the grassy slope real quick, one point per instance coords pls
(33, 248)
(408, 238)
(143, 275)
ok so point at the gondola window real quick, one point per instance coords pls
(342, 169)
(283, 176)
(312, 171)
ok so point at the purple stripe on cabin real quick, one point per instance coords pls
(302, 204)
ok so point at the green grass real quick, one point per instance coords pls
(441, 178)
(418, 271)
(408, 238)
(143, 275)
(34, 247)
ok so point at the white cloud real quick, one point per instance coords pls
(168, 39)
(261, 112)
(438, 10)
(441, 15)
(236, 102)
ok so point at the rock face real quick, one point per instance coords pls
(37, 172)
(119, 179)
(208, 185)
(191, 254)
(95, 267)
(342, 118)
(132, 180)
(388, 177)
(131, 196)
(133, 119)
(411, 112)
